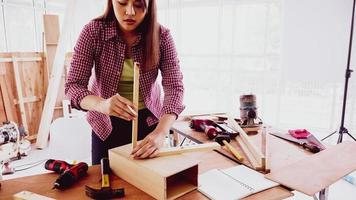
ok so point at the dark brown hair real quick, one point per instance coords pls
(149, 28)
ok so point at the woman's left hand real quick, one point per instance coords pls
(148, 147)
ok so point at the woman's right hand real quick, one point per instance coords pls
(117, 106)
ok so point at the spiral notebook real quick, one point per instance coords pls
(232, 183)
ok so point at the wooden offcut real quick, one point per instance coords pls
(20, 94)
(265, 150)
(136, 86)
(167, 177)
(168, 151)
(253, 154)
(317, 171)
(26, 195)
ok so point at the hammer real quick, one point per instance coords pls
(106, 192)
(224, 140)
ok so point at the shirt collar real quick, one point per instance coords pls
(111, 31)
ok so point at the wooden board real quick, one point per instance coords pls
(31, 80)
(26, 195)
(3, 116)
(43, 183)
(168, 151)
(8, 108)
(316, 172)
(253, 153)
(162, 177)
(135, 99)
(55, 81)
(20, 94)
(51, 33)
(51, 29)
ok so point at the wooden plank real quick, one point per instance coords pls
(21, 59)
(265, 150)
(3, 116)
(32, 76)
(8, 106)
(136, 91)
(2, 70)
(31, 99)
(26, 195)
(318, 171)
(20, 95)
(55, 80)
(254, 163)
(51, 29)
(256, 153)
(168, 151)
(51, 33)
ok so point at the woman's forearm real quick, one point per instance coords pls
(166, 122)
(91, 103)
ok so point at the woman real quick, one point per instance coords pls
(127, 32)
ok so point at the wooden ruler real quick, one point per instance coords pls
(136, 90)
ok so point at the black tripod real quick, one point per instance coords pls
(342, 129)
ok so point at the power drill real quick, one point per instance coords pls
(205, 125)
(58, 166)
(70, 176)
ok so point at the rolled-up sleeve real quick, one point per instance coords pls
(172, 77)
(76, 86)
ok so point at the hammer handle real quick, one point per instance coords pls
(105, 169)
(233, 150)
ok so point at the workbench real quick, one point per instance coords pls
(280, 154)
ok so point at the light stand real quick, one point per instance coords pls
(342, 129)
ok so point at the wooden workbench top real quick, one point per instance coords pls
(280, 154)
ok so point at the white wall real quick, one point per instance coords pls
(315, 39)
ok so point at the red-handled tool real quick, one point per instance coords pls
(58, 166)
(70, 176)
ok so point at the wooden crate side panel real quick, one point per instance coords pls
(32, 84)
(137, 175)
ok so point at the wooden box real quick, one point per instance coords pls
(165, 177)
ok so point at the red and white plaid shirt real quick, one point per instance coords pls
(101, 45)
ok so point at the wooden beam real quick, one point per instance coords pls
(16, 59)
(9, 107)
(168, 151)
(20, 94)
(136, 90)
(2, 70)
(26, 195)
(31, 99)
(51, 29)
(248, 154)
(55, 79)
(253, 151)
(265, 151)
